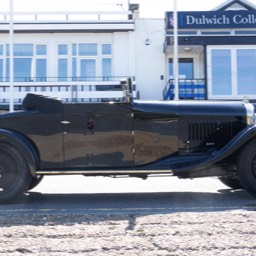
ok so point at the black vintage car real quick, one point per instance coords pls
(187, 139)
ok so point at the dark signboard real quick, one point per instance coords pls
(213, 19)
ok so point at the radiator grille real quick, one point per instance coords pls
(201, 130)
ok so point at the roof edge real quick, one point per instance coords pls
(222, 7)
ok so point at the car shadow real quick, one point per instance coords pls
(55, 208)
(126, 203)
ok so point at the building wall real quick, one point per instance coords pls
(150, 67)
(121, 53)
(123, 60)
(137, 53)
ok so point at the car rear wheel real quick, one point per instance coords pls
(231, 182)
(246, 167)
(14, 175)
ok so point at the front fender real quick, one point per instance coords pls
(238, 141)
(23, 145)
(233, 146)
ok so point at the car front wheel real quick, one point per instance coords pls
(246, 167)
(231, 182)
(14, 175)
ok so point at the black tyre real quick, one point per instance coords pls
(246, 167)
(35, 181)
(15, 177)
(231, 182)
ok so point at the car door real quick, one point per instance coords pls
(155, 136)
(98, 135)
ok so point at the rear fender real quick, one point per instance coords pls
(23, 145)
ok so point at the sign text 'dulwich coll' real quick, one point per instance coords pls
(213, 19)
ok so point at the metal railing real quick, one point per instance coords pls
(65, 16)
(74, 89)
(192, 89)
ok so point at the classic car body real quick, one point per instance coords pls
(187, 139)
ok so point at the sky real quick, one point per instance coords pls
(148, 8)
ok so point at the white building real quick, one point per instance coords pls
(83, 56)
(217, 52)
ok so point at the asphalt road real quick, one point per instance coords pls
(103, 195)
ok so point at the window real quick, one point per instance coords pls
(1, 63)
(221, 72)
(41, 63)
(88, 50)
(22, 63)
(246, 75)
(74, 69)
(23, 50)
(1, 69)
(106, 67)
(185, 68)
(87, 69)
(29, 62)
(231, 72)
(84, 61)
(41, 50)
(62, 49)
(63, 62)
(106, 49)
(40, 70)
(62, 69)
(91, 60)
(1, 49)
(22, 69)
(74, 49)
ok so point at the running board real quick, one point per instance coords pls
(102, 172)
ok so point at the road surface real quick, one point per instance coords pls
(103, 195)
